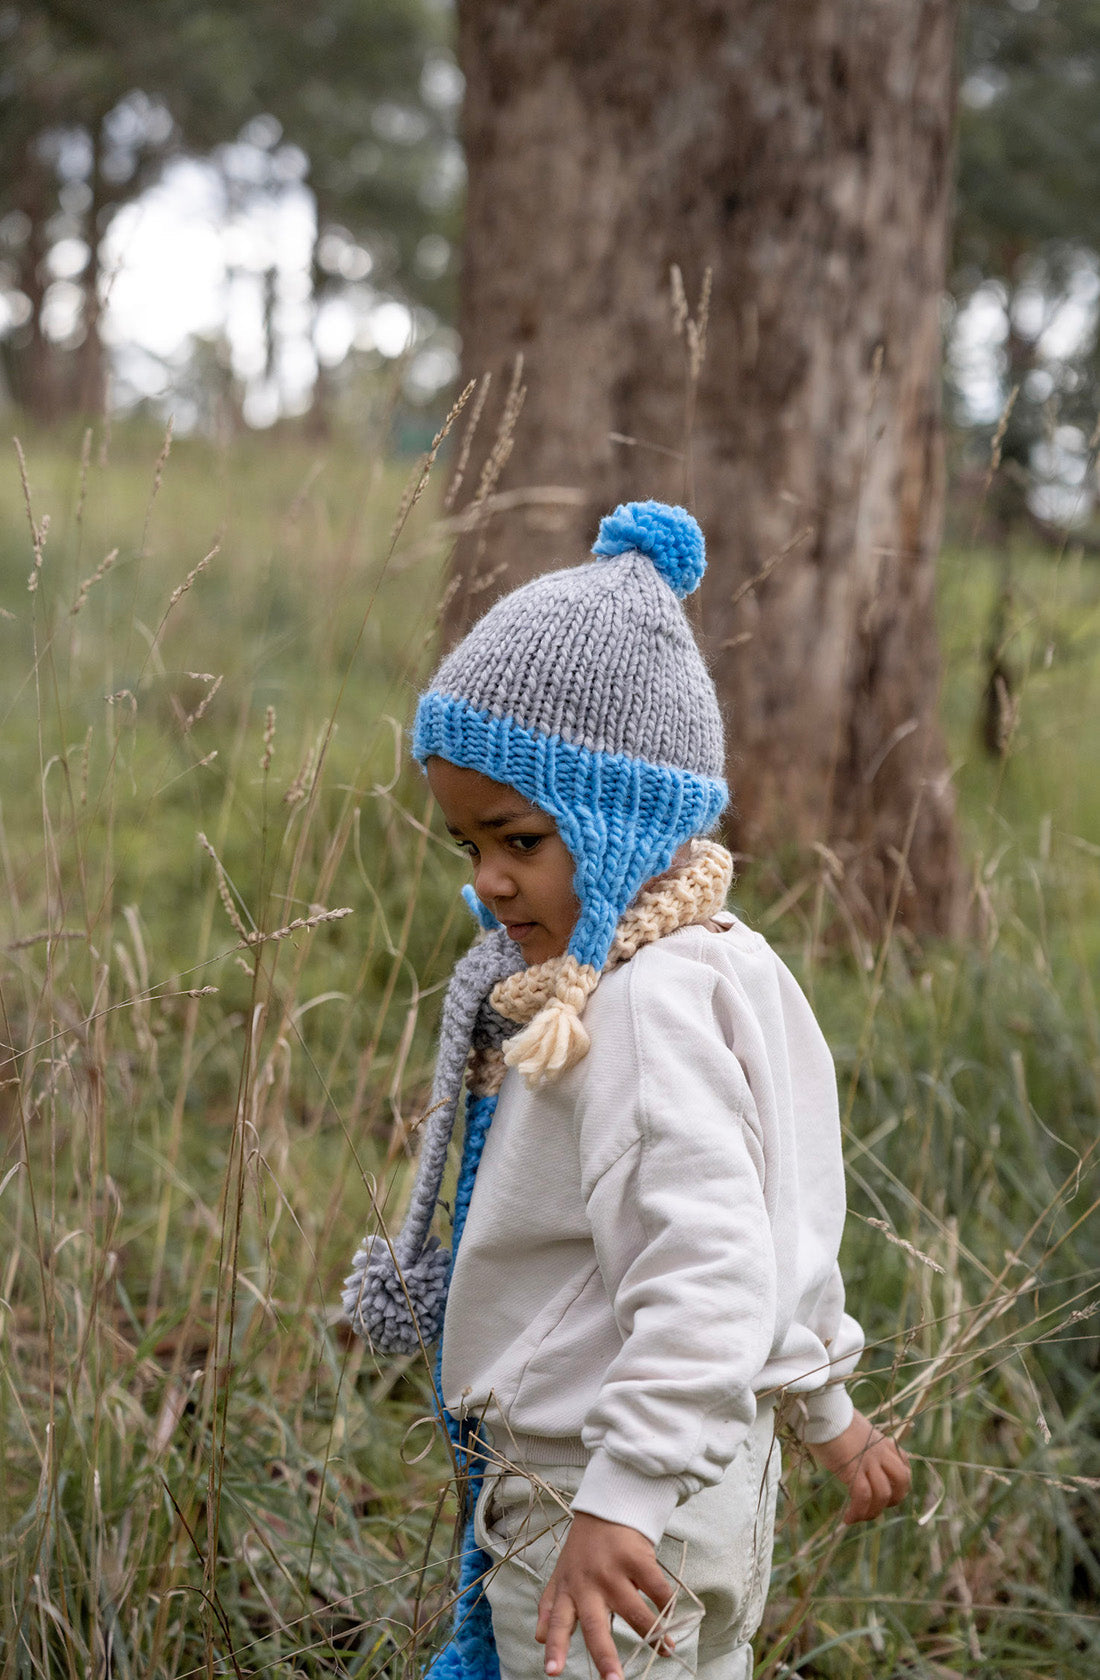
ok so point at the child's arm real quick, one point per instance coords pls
(603, 1569)
(872, 1467)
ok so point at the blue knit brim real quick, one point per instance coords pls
(621, 817)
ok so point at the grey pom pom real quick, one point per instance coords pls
(397, 1311)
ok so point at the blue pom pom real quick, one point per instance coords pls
(668, 535)
(481, 913)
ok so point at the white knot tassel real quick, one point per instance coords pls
(548, 1046)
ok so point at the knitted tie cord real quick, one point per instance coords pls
(395, 1293)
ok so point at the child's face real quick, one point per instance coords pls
(523, 869)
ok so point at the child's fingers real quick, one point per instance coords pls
(652, 1580)
(596, 1628)
(858, 1508)
(870, 1494)
(889, 1476)
(556, 1622)
(639, 1614)
(901, 1478)
(595, 1621)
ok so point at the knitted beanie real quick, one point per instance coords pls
(586, 692)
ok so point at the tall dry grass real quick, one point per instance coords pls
(228, 919)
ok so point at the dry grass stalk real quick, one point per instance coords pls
(697, 328)
(196, 572)
(39, 528)
(693, 328)
(85, 761)
(315, 919)
(467, 442)
(269, 740)
(225, 892)
(188, 720)
(900, 1242)
(419, 483)
(90, 582)
(994, 460)
(302, 785)
(806, 534)
(82, 493)
(497, 458)
(158, 475)
(42, 937)
(680, 312)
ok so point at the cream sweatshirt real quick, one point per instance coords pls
(652, 1241)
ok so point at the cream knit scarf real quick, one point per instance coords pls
(549, 997)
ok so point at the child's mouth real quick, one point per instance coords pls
(520, 931)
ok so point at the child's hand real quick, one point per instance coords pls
(603, 1567)
(873, 1468)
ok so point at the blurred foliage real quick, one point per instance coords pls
(95, 100)
(357, 100)
(367, 89)
(1028, 227)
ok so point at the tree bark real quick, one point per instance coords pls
(801, 151)
(34, 362)
(91, 377)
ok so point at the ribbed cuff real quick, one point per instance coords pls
(828, 1412)
(612, 1490)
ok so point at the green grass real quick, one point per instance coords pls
(199, 1473)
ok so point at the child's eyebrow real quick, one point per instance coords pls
(499, 822)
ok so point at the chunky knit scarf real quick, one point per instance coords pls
(396, 1293)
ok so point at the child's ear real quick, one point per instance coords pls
(480, 912)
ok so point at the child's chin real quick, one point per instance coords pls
(539, 947)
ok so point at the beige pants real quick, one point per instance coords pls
(717, 1550)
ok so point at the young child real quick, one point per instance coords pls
(651, 1194)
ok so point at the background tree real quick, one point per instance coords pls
(366, 89)
(93, 101)
(1028, 233)
(96, 100)
(801, 152)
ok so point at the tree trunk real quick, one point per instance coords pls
(801, 151)
(319, 417)
(35, 382)
(91, 378)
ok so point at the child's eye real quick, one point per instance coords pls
(467, 847)
(525, 842)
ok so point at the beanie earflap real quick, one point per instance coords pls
(551, 996)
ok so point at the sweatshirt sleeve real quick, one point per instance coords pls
(822, 1413)
(823, 1341)
(684, 1247)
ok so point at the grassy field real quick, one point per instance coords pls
(204, 676)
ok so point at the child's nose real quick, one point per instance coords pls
(492, 880)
